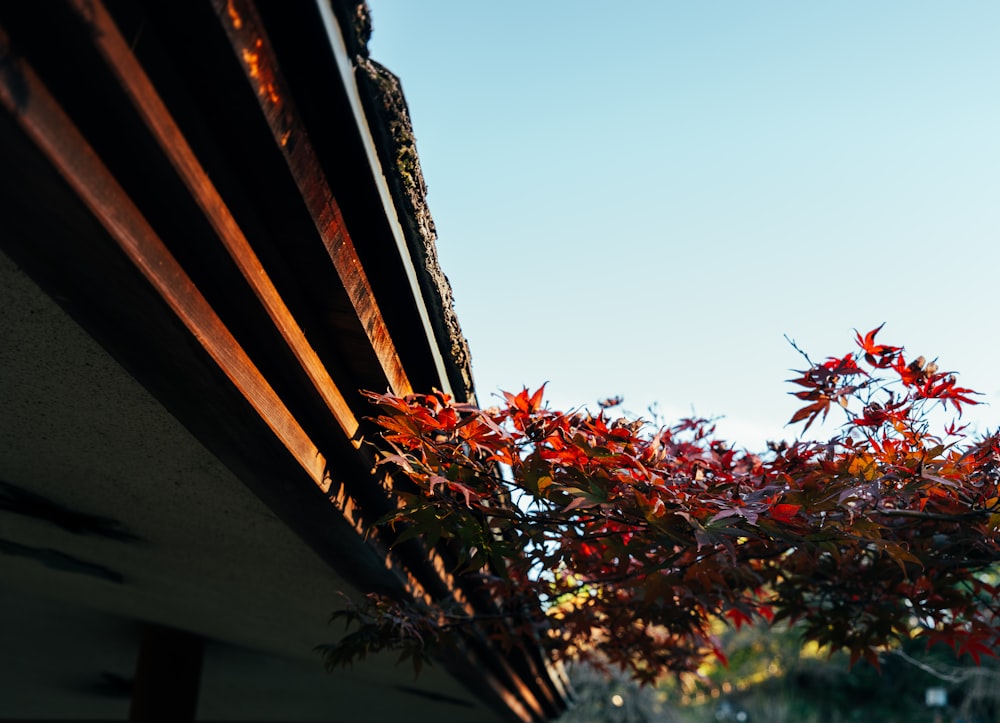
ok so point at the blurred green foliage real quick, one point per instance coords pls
(773, 678)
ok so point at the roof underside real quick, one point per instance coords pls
(112, 513)
(202, 263)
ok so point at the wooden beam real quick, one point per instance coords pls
(167, 676)
(45, 122)
(54, 238)
(345, 64)
(165, 130)
(257, 58)
(40, 116)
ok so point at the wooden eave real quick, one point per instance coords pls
(195, 184)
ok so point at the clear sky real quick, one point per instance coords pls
(642, 198)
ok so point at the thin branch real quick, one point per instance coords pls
(939, 516)
(930, 670)
(797, 348)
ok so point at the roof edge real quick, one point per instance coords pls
(392, 130)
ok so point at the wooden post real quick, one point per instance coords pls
(167, 676)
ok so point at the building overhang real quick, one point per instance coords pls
(203, 261)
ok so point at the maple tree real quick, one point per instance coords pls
(620, 543)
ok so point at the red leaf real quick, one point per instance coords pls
(878, 355)
(975, 647)
(534, 404)
(739, 618)
(784, 512)
(811, 411)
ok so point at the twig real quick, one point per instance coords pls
(930, 670)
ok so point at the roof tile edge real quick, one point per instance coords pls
(384, 102)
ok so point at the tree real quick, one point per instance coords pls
(774, 678)
(611, 696)
(620, 543)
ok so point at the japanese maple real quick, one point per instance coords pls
(612, 540)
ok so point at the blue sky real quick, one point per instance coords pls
(643, 198)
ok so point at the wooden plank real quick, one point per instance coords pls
(161, 124)
(54, 238)
(167, 676)
(78, 164)
(56, 136)
(45, 122)
(250, 43)
(345, 65)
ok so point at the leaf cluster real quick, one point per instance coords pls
(384, 624)
(622, 542)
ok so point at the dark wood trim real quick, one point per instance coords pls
(167, 676)
(53, 237)
(41, 117)
(253, 49)
(161, 124)
(43, 120)
(247, 401)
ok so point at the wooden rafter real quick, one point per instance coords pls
(45, 122)
(161, 124)
(40, 116)
(56, 135)
(257, 58)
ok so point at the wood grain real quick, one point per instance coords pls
(161, 124)
(249, 40)
(45, 122)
